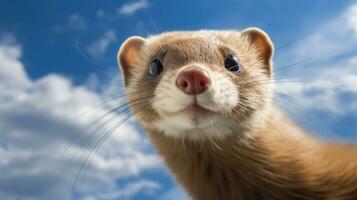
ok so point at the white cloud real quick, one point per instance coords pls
(328, 85)
(40, 120)
(147, 186)
(99, 47)
(9, 55)
(324, 90)
(132, 7)
(352, 18)
(327, 40)
(175, 193)
(332, 74)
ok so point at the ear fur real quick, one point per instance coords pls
(261, 42)
(129, 54)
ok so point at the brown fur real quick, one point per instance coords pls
(275, 165)
(269, 157)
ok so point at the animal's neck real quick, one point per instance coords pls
(271, 165)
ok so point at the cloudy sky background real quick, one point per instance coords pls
(58, 63)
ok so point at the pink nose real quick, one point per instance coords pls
(192, 81)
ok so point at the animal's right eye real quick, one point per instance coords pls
(155, 68)
(232, 64)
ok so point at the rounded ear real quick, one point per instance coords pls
(261, 42)
(129, 54)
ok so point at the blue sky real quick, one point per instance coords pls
(58, 59)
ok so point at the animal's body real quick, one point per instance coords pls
(204, 98)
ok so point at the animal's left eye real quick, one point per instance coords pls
(232, 64)
(155, 68)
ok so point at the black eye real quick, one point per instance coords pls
(232, 64)
(155, 68)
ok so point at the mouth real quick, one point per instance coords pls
(195, 109)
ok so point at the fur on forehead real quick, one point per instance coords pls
(194, 44)
(252, 42)
(137, 51)
(159, 42)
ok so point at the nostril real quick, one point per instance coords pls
(184, 84)
(204, 83)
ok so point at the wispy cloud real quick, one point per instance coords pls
(329, 84)
(145, 186)
(352, 18)
(324, 90)
(41, 149)
(175, 193)
(132, 7)
(98, 48)
(331, 38)
(77, 22)
(100, 13)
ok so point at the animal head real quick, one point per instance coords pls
(199, 84)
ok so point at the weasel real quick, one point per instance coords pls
(204, 99)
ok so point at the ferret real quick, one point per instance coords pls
(205, 100)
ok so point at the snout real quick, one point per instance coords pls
(193, 81)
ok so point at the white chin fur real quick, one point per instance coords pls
(220, 97)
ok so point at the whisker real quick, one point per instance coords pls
(111, 99)
(85, 56)
(212, 142)
(100, 143)
(183, 146)
(304, 61)
(152, 21)
(278, 48)
(154, 25)
(113, 110)
(84, 131)
(84, 164)
(84, 143)
(253, 83)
